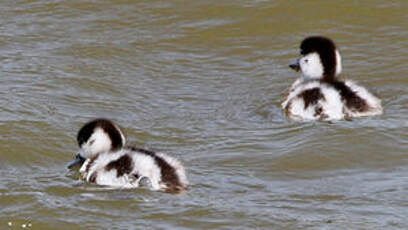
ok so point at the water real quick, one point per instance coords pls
(202, 81)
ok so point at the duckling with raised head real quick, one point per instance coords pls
(318, 94)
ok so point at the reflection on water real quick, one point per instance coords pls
(204, 82)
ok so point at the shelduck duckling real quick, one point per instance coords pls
(318, 94)
(107, 161)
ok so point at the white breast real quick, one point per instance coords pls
(330, 105)
(143, 165)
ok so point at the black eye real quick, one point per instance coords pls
(91, 142)
(306, 60)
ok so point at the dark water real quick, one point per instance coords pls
(202, 81)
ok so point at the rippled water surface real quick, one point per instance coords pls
(203, 81)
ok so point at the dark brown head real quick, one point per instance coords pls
(319, 59)
(98, 136)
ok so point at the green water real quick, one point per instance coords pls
(202, 81)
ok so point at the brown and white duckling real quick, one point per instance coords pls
(318, 94)
(107, 161)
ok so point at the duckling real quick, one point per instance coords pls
(318, 94)
(106, 160)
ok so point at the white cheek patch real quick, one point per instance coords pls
(99, 142)
(311, 66)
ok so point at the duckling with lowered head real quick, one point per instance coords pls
(107, 161)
